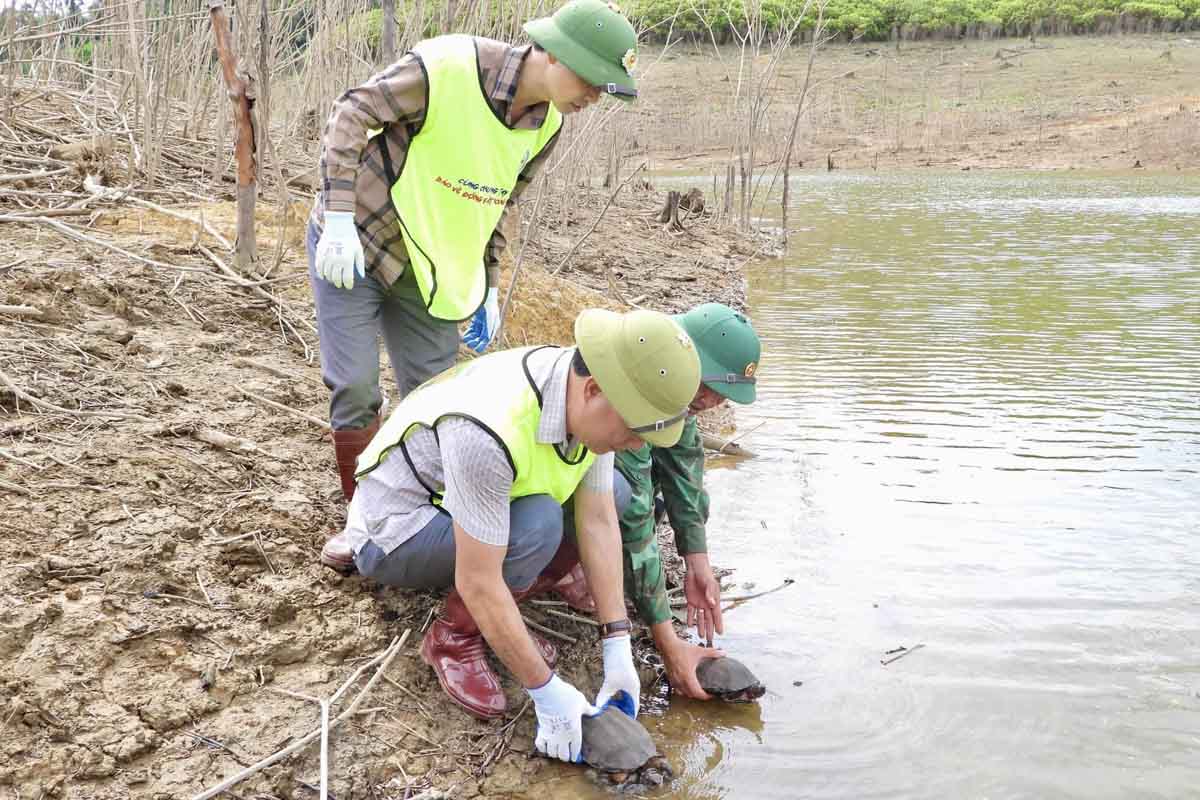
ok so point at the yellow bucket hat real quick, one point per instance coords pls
(647, 367)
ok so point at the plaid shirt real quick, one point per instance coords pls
(353, 177)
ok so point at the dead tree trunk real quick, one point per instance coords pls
(239, 82)
(263, 103)
(387, 40)
(669, 215)
(818, 36)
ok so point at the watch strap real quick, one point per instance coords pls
(617, 626)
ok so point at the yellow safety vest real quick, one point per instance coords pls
(496, 391)
(459, 173)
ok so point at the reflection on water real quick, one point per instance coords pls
(982, 407)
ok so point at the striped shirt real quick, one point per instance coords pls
(352, 172)
(470, 468)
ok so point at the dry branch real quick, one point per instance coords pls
(320, 423)
(596, 221)
(42, 404)
(21, 311)
(386, 658)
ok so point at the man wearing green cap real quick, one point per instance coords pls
(419, 166)
(729, 352)
(484, 474)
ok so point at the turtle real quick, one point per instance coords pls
(729, 679)
(620, 750)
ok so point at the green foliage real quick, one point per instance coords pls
(83, 52)
(875, 19)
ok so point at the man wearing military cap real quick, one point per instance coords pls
(419, 166)
(464, 488)
(729, 352)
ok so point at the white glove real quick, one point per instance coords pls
(485, 323)
(620, 676)
(560, 708)
(339, 250)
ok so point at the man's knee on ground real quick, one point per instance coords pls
(369, 561)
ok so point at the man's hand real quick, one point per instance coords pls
(681, 659)
(703, 594)
(560, 709)
(485, 323)
(339, 250)
(620, 676)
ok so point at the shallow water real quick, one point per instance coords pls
(980, 409)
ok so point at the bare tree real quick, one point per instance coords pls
(387, 40)
(240, 85)
(817, 41)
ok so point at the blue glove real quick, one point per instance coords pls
(485, 323)
(560, 707)
(622, 687)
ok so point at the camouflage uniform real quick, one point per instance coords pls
(678, 472)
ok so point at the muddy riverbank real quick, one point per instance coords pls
(167, 485)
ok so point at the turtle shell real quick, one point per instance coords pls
(615, 742)
(729, 679)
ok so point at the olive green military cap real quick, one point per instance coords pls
(729, 350)
(595, 42)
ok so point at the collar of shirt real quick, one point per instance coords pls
(552, 427)
(504, 90)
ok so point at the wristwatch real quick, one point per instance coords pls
(617, 626)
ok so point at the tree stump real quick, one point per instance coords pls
(669, 215)
(693, 201)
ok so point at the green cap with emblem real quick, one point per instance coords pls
(729, 349)
(594, 41)
(647, 367)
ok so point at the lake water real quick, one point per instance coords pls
(980, 409)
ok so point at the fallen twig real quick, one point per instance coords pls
(19, 460)
(572, 617)
(599, 217)
(29, 176)
(384, 660)
(223, 441)
(272, 370)
(151, 594)
(733, 441)
(729, 448)
(261, 549)
(204, 591)
(21, 311)
(74, 234)
(906, 651)
(237, 538)
(314, 420)
(735, 601)
(548, 631)
(12, 487)
(42, 404)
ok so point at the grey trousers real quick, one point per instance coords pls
(537, 524)
(349, 324)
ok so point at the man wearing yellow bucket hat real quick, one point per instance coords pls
(729, 351)
(419, 166)
(465, 487)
